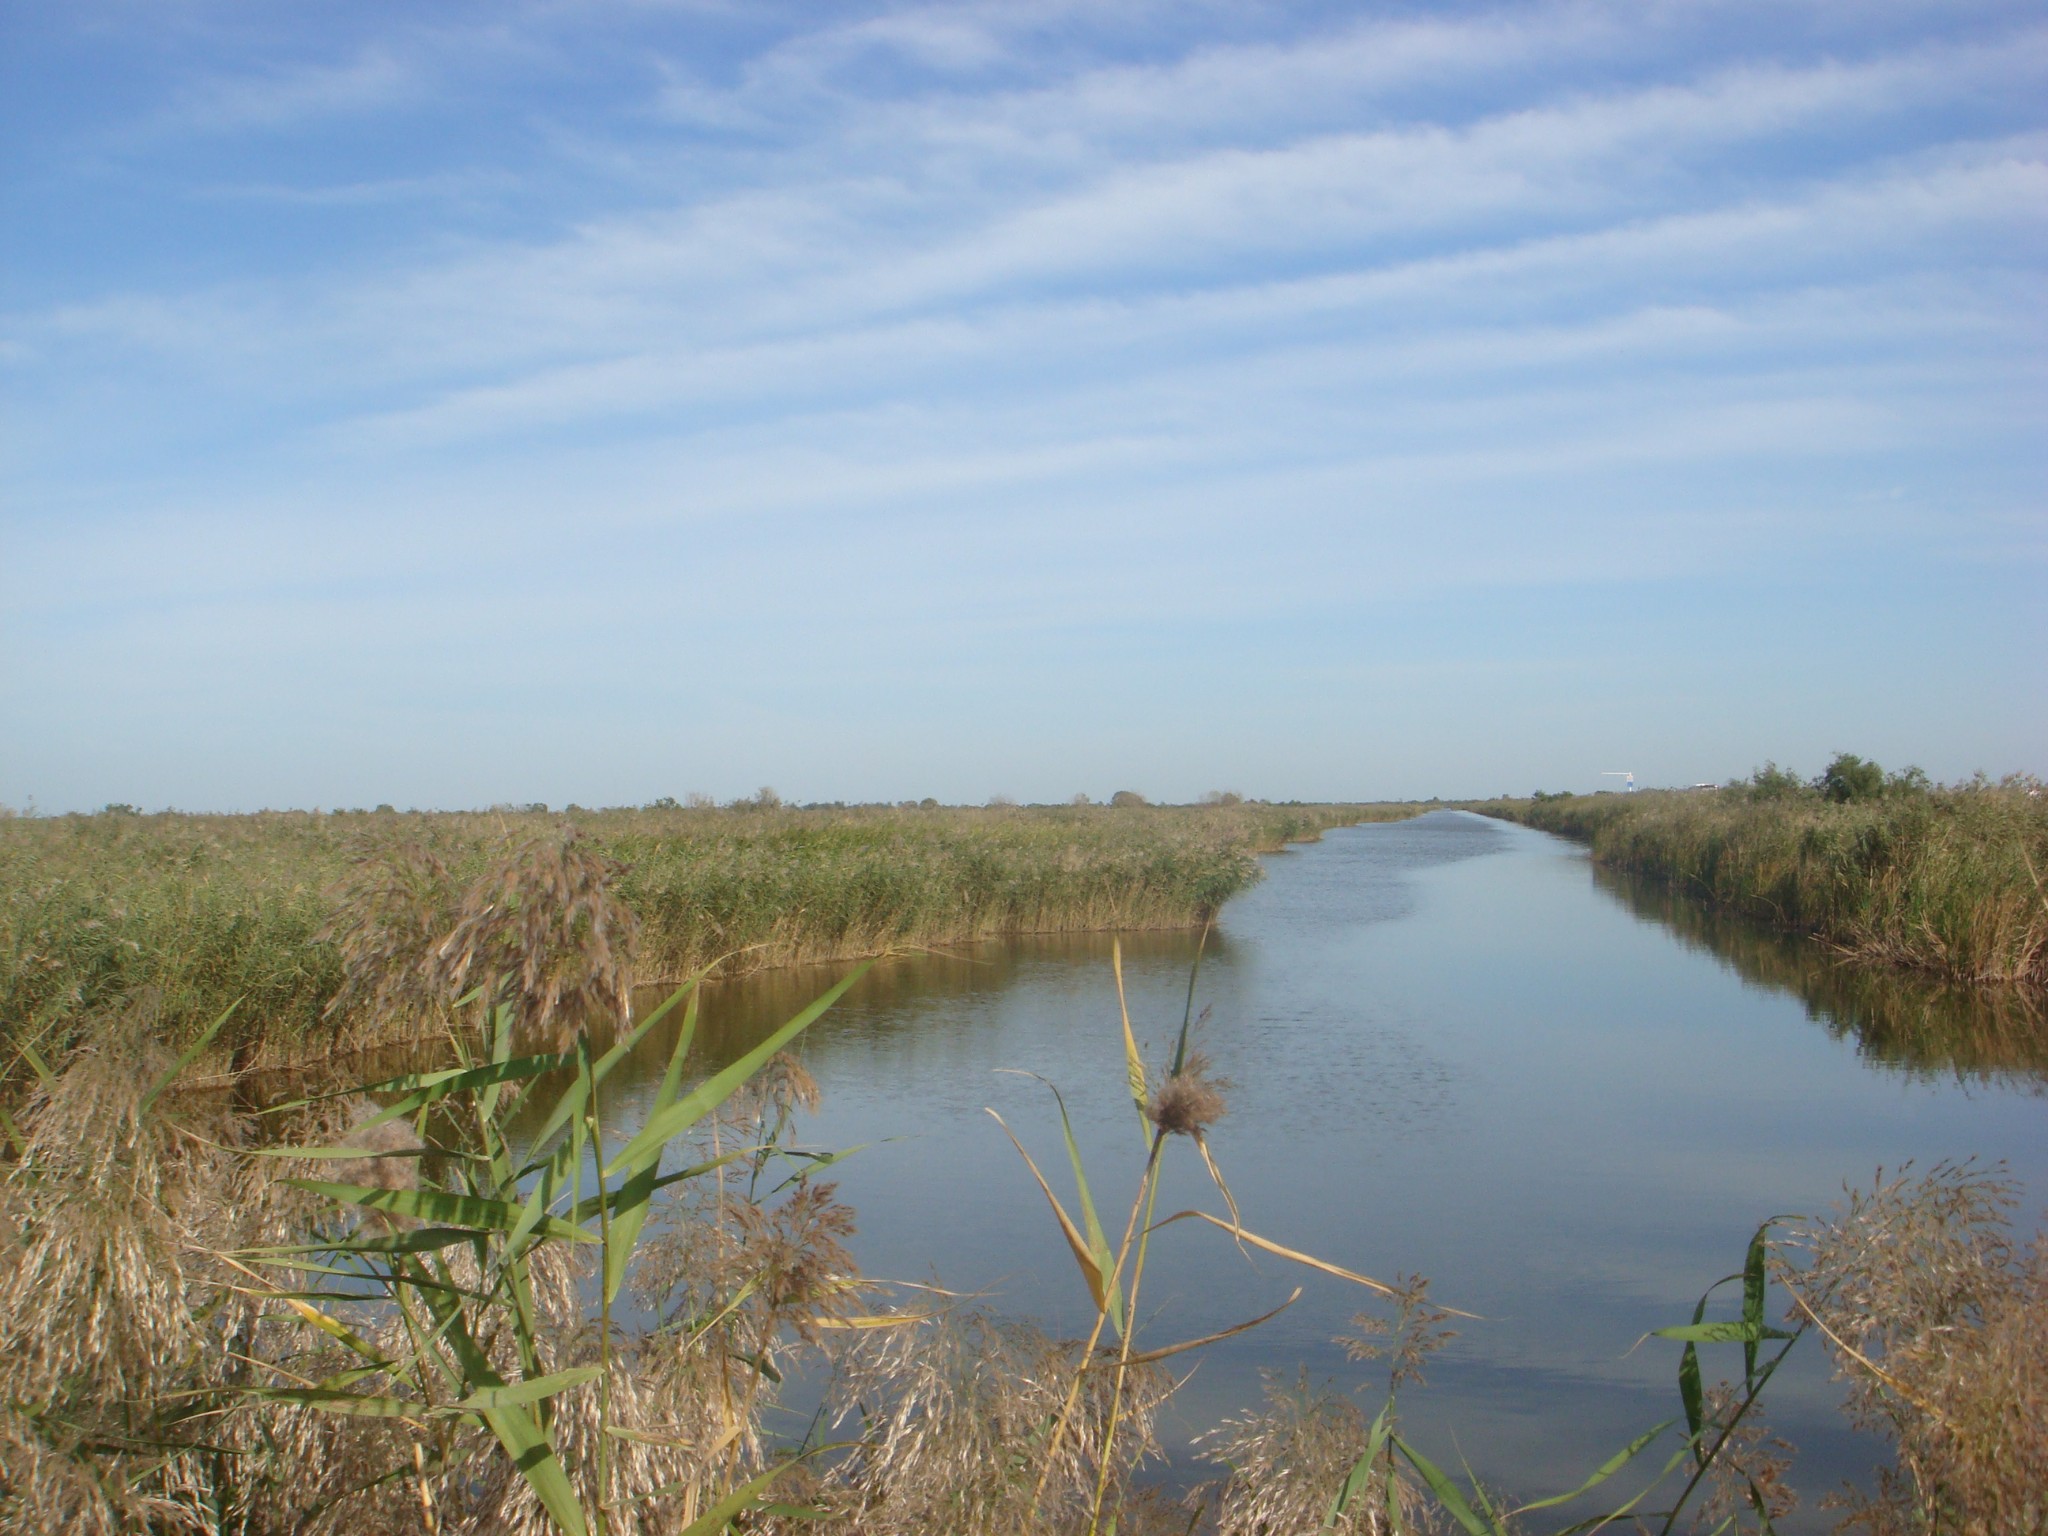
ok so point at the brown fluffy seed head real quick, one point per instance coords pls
(1189, 1101)
(546, 932)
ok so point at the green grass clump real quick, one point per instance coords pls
(198, 911)
(1946, 880)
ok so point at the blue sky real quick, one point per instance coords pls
(587, 402)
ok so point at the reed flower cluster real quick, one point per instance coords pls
(1937, 1317)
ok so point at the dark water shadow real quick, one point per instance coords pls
(901, 994)
(1895, 1020)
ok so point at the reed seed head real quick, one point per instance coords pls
(1188, 1102)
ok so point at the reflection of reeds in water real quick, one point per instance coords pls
(207, 909)
(926, 987)
(1895, 1018)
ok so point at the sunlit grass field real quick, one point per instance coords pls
(199, 911)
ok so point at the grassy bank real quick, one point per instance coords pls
(197, 911)
(1948, 881)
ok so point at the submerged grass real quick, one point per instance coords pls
(206, 909)
(1948, 881)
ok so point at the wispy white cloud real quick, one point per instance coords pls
(982, 329)
(294, 95)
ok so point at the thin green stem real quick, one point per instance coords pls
(1123, 1251)
(604, 1291)
(1748, 1402)
(1123, 1357)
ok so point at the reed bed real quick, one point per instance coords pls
(203, 910)
(1943, 880)
(405, 1307)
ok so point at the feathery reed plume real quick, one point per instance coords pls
(1748, 1475)
(1415, 1332)
(1290, 1462)
(121, 1342)
(1940, 1326)
(956, 1418)
(392, 909)
(545, 933)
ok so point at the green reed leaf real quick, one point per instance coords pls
(1091, 1222)
(440, 1206)
(1721, 1333)
(532, 1390)
(629, 1206)
(191, 1054)
(1604, 1471)
(431, 1087)
(513, 1423)
(1095, 1273)
(335, 1400)
(1447, 1492)
(1360, 1475)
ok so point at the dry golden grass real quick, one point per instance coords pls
(1938, 1321)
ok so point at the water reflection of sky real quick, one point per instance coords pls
(1452, 1053)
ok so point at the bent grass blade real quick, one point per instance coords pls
(1094, 1268)
(1293, 1255)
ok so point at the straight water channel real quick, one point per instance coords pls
(1456, 1050)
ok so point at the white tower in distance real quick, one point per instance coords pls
(1628, 778)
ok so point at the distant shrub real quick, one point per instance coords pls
(1908, 781)
(1849, 778)
(1127, 797)
(1771, 782)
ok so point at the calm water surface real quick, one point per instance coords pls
(1456, 1050)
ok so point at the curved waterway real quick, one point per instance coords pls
(1456, 1050)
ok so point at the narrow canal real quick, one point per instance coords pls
(1457, 1050)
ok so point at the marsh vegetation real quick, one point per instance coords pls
(474, 1299)
(1884, 869)
(202, 911)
